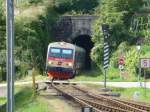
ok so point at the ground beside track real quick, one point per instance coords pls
(112, 84)
(126, 93)
(26, 103)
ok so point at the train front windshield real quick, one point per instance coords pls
(61, 53)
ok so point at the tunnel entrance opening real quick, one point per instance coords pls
(85, 42)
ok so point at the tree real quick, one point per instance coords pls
(79, 6)
(2, 40)
(2, 25)
(117, 14)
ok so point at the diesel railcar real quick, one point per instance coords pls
(64, 60)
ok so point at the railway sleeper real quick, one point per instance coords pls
(136, 105)
(104, 107)
(76, 99)
(111, 101)
(118, 104)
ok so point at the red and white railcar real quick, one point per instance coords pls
(64, 60)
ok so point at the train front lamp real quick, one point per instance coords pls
(69, 64)
(50, 62)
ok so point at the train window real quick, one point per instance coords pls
(61, 53)
(67, 53)
(64, 51)
(55, 50)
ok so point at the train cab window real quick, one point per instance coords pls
(64, 51)
(55, 52)
(67, 53)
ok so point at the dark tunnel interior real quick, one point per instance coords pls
(85, 42)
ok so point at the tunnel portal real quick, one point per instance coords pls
(85, 42)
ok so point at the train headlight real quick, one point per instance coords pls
(62, 43)
(50, 62)
(69, 64)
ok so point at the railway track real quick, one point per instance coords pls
(136, 105)
(113, 102)
(99, 103)
(83, 98)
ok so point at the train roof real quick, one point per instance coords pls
(63, 44)
(66, 45)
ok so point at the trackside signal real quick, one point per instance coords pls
(105, 29)
(106, 34)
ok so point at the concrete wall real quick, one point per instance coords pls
(69, 27)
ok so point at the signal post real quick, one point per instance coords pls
(105, 29)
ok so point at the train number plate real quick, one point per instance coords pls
(59, 63)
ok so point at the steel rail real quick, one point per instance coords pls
(97, 106)
(118, 104)
(65, 94)
(112, 101)
(135, 104)
(103, 107)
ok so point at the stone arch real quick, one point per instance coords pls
(82, 31)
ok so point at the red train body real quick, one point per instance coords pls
(64, 60)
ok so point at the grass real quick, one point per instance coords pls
(25, 102)
(38, 105)
(2, 100)
(32, 10)
(96, 75)
(88, 76)
(37, 77)
(128, 93)
(93, 75)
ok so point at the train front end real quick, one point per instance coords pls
(60, 61)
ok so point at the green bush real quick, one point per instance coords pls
(120, 51)
(145, 50)
(117, 14)
(113, 74)
(34, 1)
(26, 3)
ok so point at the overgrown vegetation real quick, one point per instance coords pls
(25, 102)
(33, 31)
(2, 40)
(76, 6)
(32, 35)
(2, 100)
(128, 93)
(118, 15)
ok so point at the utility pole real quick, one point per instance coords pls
(10, 56)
